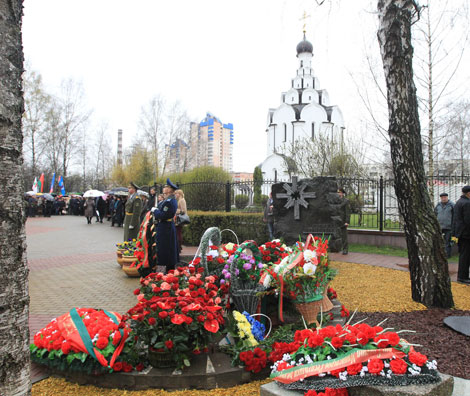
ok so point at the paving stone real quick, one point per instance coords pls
(459, 323)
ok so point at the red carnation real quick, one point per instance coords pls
(417, 358)
(65, 348)
(102, 343)
(354, 369)
(153, 321)
(375, 366)
(398, 366)
(126, 367)
(117, 366)
(169, 344)
(393, 338)
(136, 291)
(162, 314)
(139, 367)
(337, 342)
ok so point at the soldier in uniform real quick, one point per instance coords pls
(133, 209)
(167, 244)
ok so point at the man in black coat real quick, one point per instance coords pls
(461, 230)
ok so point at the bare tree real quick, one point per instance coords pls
(176, 127)
(14, 299)
(37, 102)
(430, 281)
(73, 119)
(151, 123)
(456, 127)
(442, 35)
(102, 153)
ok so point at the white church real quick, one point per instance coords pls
(305, 112)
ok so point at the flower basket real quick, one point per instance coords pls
(131, 272)
(310, 310)
(327, 305)
(162, 359)
(120, 261)
(119, 253)
(245, 300)
(245, 293)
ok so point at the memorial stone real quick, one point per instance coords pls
(307, 206)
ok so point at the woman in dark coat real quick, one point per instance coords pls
(118, 216)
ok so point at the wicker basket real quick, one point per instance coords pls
(327, 305)
(245, 300)
(244, 294)
(161, 359)
(310, 310)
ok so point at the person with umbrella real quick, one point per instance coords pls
(133, 209)
(167, 244)
(89, 209)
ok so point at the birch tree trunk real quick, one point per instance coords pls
(14, 299)
(430, 282)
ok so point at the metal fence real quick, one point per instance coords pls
(373, 201)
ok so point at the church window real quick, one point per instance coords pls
(285, 133)
(313, 131)
(301, 63)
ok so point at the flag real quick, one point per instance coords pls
(52, 184)
(35, 185)
(41, 182)
(61, 185)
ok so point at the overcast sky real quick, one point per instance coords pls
(232, 58)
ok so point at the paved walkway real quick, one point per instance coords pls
(73, 264)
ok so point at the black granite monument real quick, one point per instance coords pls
(307, 206)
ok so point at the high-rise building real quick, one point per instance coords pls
(178, 157)
(210, 143)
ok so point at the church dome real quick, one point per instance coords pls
(304, 46)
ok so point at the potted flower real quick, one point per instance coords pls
(177, 315)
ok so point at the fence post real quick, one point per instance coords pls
(228, 204)
(381, 203)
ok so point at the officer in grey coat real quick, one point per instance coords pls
(133, 209)
(444, 211)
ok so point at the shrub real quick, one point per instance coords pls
(245, 225)
(241, 201)
(264, 200)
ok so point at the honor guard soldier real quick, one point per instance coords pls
(167, 244)
(133, 209)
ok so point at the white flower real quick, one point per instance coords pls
(309, 269)
(224, 254)
(309, 255)
(213, 253)
(229, 246)
(267, 281)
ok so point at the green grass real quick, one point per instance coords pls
(386, 250)
(370, 221)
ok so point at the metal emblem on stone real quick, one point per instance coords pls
(295, 196)
(315, 204)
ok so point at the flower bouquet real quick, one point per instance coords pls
(303, 276)
(273, 252)
(351, 355)
(244, 272)
(177, 315)
(86, 339)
